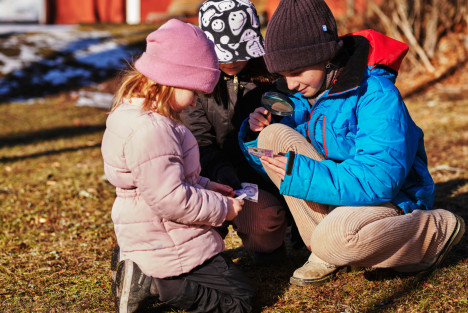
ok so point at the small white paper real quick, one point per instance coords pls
(250, 190)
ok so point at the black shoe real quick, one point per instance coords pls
(115, 259)
(131, 287)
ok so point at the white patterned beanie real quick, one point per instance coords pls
(234, 28)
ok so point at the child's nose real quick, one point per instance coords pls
(292, 84)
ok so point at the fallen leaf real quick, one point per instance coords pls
(84, 193)
(92, 191)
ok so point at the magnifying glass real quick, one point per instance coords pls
(277, 103)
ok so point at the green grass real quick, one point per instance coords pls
(56, 231)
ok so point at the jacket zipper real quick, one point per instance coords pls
(323, 134)
(312, 112)
(236, 82)
(323, 128)
(310, 119)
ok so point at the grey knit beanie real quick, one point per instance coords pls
(301, 33)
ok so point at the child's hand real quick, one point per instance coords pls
(225, 190)
(277, 164)
(259, 119)
(234, 207)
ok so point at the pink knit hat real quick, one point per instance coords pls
(180, 55)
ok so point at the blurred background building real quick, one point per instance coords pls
(133, 11)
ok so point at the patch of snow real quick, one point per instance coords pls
(63, 40)
(8, 65)
(56, 55)
(94, 99)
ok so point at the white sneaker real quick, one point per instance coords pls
(313, 272)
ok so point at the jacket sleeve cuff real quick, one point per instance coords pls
(296, 178)
(203, 181)
(286, 183)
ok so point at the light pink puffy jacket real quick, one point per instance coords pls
(162, 214)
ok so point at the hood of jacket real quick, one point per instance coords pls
(369, 50)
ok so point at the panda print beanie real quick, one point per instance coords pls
(234, 28)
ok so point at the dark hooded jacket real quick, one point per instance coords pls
(215, 123)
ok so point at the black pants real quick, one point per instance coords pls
(215, 286)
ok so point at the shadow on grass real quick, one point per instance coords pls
(48, 152)
(271, 281)
(408, 286)
(410, 283)
(49, 134)
(446, 197)
(444, 200)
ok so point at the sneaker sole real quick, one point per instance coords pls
(308, 282)
(455, 238)
(127, 282)
(319, 281)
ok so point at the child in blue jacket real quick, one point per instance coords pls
(350, 161)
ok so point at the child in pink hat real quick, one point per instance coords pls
(164, 211)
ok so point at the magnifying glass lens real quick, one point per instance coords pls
(277, 103)
(281, 107)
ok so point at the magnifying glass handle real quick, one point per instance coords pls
(273, 118)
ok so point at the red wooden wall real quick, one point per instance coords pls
(113, 11)
(85, 11)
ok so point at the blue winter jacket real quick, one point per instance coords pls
(374, 151)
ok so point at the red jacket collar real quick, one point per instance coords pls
(364, 49)
(383, 50)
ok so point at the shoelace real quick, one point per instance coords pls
(327, 265)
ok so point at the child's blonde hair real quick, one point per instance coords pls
(158, 98)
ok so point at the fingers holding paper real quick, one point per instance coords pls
(277, 164)
(222, 189)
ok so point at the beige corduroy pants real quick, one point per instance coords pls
(369, 236)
